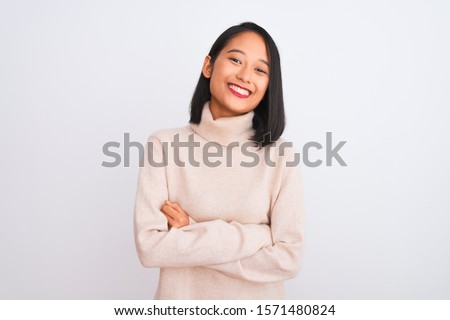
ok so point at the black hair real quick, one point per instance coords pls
(269, 118)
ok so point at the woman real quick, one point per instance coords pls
(219, 204)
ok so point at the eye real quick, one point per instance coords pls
(261, 70)
(236, 60)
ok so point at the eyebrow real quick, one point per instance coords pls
(242, 52)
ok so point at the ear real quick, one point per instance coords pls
(207, 67)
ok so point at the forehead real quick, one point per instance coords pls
(249, 42)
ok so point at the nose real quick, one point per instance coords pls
(244, 74)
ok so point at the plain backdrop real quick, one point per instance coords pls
(77, 74)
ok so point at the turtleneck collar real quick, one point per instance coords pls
(226, 129)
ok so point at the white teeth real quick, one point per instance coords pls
(239, 90)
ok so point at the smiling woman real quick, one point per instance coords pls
(224, 232)
(240, 69)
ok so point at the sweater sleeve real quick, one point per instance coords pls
(281, 260)
(199, 244)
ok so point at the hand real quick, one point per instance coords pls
(176, 216)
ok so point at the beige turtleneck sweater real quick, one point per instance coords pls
(245, 233)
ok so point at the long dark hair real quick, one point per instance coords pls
(269, 119)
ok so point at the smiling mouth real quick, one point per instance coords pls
(239, 91)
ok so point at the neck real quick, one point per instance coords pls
(218, 112)
(224, 130)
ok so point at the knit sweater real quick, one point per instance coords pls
(246, 216)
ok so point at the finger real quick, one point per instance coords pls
(176, 206)
(172, 204)
(170, 220)
(174, 223)
(170, 211)
(177, 216)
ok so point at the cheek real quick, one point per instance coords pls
(217, 77)
(214, 86)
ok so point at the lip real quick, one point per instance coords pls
(237, 93)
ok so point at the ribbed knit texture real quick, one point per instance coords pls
(245, 234)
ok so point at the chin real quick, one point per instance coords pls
(240, 110)
(240, 105)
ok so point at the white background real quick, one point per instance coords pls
(77, 74)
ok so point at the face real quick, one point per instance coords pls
(239, 77)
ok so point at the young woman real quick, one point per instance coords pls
(219, 202)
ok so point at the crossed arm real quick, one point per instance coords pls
(167, 237)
